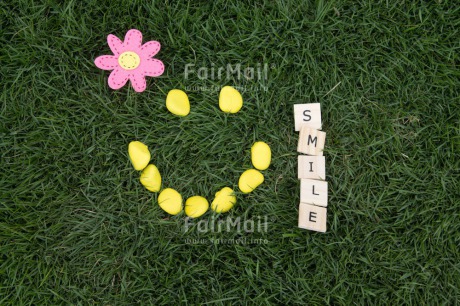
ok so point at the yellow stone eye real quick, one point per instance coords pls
(129, 60)
(170, 201)
(261, 155)
(230, 100)
(249, 180)
(151, 178)
(138, 154)
(177, 102)
(225, 199)
(196, 206)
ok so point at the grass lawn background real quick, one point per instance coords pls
(77, 227)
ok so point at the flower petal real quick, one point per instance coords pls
(138, 82)
(150, 48)
(133, 40)
(152, 67)
(115, 44)
(106, 62)
(118, 78)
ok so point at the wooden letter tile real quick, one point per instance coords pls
(313, 192)
(312, 217)
(308, 114)
(311, 167)
(311, 141)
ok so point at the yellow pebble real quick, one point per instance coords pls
(225, 199)
(177, 102)
(170, 201)
(151, 178)
(138, 154)
(261, 155)
(249, 180)
(230, 100)
(196, 206)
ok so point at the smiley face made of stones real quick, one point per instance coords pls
(177, 102)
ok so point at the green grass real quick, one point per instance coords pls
(77, 227)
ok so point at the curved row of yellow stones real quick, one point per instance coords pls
(171, 201)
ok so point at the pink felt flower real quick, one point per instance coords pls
(131, 60)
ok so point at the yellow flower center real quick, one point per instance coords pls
(129, 60)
